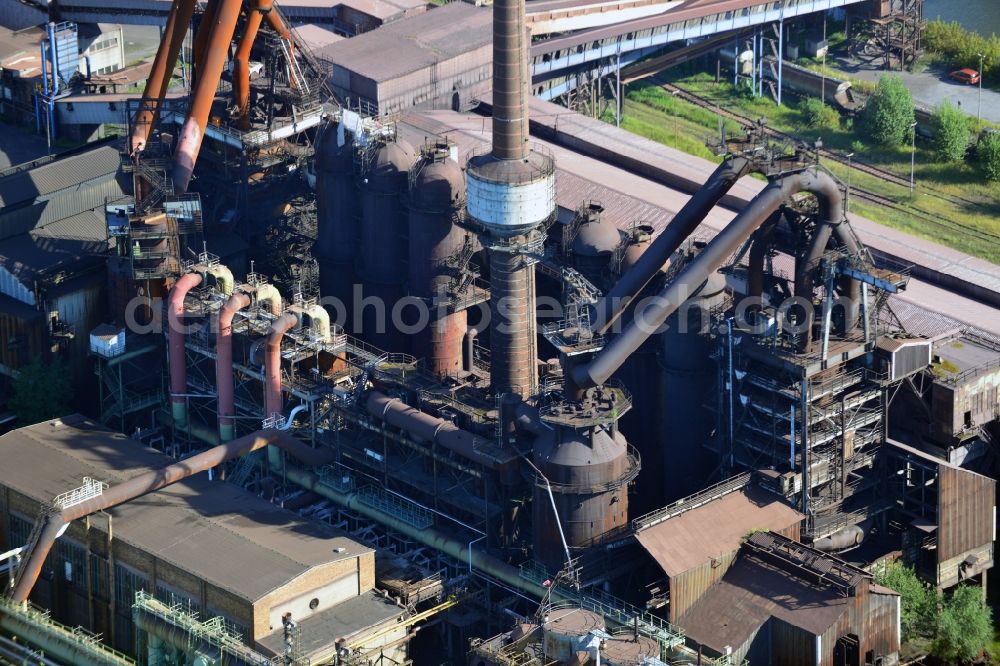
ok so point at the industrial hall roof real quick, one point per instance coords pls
(715, 528)
(70, 243)
(401, 47)
(214, 530)
(59, 174)
(757, 588)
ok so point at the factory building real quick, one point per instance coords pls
(944, 517)
(695, 540)
(786, 604)
(52, 258)
(953, 408)
(241, 558)
(438, 60)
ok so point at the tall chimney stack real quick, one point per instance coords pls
(511, 192)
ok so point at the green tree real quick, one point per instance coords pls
(988, 154)
(889, 112)
(818, 115)
(951, 133)
(918, 603)
(964, 626)
(41, 391)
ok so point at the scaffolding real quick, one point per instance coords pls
(129, 380)
(814, 417)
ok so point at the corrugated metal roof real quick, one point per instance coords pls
(29, 257)
(58, 175)
(401, 47)
(750, 594)
(315, 37)
(214, 530)
(715, 528)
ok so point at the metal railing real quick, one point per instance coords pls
(87, 642)
(730, 485)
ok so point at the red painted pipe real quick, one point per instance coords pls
(224, 364)
(272, 363)
(241, 64)
(137, 486)
(159, 75)
(175, 337)
(204, 32)
(189, 142)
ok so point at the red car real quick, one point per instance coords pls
(969, 76)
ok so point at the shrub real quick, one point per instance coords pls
(951, 133)
(964, 626)
(818, 115)
(988, 154)
(918, 603)
(41, 391)
(889, 112)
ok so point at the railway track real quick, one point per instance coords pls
(932, 219)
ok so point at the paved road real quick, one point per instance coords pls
(931, 88)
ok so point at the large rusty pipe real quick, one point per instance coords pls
(272, 362)
(609, 308)
(159, 75)
(652, 316)
(204, 32)
(426, 428)
(274, 20)
(830, 222)
(138, 486)
(755, 263)
(241, 66)
(224, 364)
(189, 143)
(175, 339)
(510, 81)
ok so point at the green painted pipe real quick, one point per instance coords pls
(429, 537)
(56, 642)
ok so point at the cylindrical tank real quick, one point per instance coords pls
(640, 373)
(437, 191)
(594, 244)
(588, 471)
(566, 632)
(629, 650)
(688, 378)
(337, 212)
(383, 241)
(640, 238)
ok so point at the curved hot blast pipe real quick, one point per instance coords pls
(158, 81)
(224, 364)
(427, 428)
(654, 314)
(241, 61)
(137, 486)
(609, 308)
(175, 340)
(189, 141)
(272, 362)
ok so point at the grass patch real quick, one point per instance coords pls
(654, 113)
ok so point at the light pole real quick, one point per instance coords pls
(913, 153)
(979, 112)
(848, 203)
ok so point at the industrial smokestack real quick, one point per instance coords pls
(510, 81)
(511, 192)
